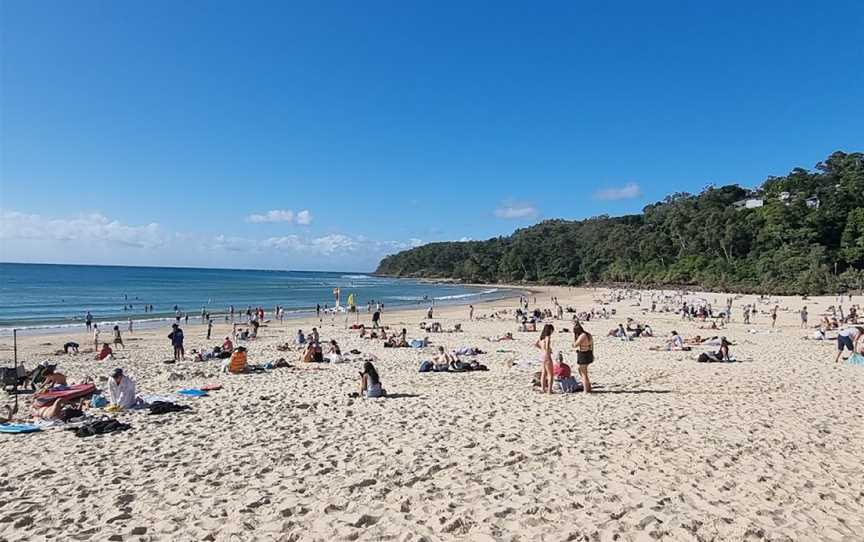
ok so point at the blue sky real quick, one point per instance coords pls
(322, 135)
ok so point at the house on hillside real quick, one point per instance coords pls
(749, 203)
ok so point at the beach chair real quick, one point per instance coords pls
(11, 378)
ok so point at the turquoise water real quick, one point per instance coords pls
(38, 296)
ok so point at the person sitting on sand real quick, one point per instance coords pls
(723, 353)
(238, 362)
(564, 376)
(71, 347)
(334, 352)
(314, 336)
(370, 382)
(227, 345)
(675, 342)
(52, 378)
(105, 353)
(121, 390)
(443, 360)
(362, 331)
(301, 339)
(584, 344)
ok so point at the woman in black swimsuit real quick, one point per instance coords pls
(584, 344)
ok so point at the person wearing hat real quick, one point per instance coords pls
(121, 390)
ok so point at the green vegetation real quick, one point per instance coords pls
(808, 237)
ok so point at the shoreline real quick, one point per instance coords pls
(145, 322)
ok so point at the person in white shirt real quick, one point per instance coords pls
(849, 339)
(121, 389)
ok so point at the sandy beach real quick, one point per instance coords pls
(768, 448)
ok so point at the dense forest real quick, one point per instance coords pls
(801, 233)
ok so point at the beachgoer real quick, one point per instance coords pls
(370, 382)
(238, 362)
(176, 337)
(209, 328)
(471, 312)
(584, 344)
(121, 390)
(227, 345)
(804, 317)
(96, 334)
(544, 345)
(376, 317)
(71, 347)
(88, 320)
(117, 338)
(301, 339)
(848, 339)
(334, 352)
(52, 378)
(105, 353)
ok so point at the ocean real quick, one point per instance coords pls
(45, 297)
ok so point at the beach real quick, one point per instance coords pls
(664, 448)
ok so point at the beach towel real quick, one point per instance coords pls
(193, 392)
(856, 359)
(18, 428)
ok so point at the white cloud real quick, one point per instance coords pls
(512, 210)
(276, 215)
(304, 217)
(92, 227)
(95, 238)
(628, 191)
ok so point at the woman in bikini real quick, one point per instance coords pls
(584, 344)
(547, 372)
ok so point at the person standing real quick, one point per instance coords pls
(176, 337)
(804, 317)
(547, 371)
(117, 338)
(376, 317)
(584, 344)
(774, 316)
(130, 326)
(95, 337)
(470, 312)
(88, 321)
(209, 328)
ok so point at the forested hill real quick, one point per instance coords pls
(806, 237)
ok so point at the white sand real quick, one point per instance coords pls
(666, 448)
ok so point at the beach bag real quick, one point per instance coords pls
(426, 366)
(98, 402)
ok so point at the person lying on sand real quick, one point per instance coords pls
(370, 382)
